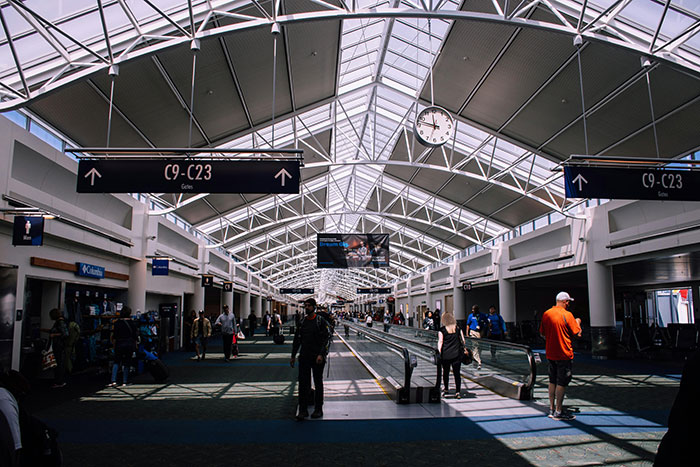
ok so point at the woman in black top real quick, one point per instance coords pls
(450, 345)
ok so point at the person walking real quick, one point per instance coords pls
(450, 348)
(58, 335)
(313, 336)
(125, 340)
(558, 327)
(387, 320)
(201, 330)
(497, 329)
(252, 323)
(428, 323)
(475, 324)
(227, 321)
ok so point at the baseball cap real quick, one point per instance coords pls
(563, 296)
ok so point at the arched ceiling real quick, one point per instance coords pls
(349, 78)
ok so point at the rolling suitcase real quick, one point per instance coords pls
(158, 370)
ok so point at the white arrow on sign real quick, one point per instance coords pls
(92, 174)
(282, 173)
(580, 180)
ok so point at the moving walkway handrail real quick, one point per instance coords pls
(529, 384)
(404, 351)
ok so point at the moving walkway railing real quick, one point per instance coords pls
(371, 345)
(506, 368)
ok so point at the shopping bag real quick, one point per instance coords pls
(48, 359)
(240, 335)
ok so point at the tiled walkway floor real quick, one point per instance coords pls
(241, 413)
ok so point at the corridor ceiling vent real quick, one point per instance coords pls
(351, 77)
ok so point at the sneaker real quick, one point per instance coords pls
(444, 393)
(56, 386)
(564, 416)
(113, 384)
(124, 385)
(318, 413)
(458, 396)
(550, 414)
(478, 367)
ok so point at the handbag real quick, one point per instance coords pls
(48, 359)
(467, 357)
(240, 335)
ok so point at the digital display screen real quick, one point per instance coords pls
(342, 251)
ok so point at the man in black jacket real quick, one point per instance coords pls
(313, 335)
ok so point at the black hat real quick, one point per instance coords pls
(311, 301)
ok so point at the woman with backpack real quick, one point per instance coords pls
(450, 348)
(124, 338)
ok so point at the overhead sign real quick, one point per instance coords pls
(160, 267)
(624, 183)
(90, 270)
(296, 291)
(228, 286)
(375, 290)
(28, 231)
(187, 176)
(207, 281)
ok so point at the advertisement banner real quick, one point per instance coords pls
(342, 251)
(161, 267)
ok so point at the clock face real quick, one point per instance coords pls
(434, 126)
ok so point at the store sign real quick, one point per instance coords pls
(90, 270)
(28, 231)
(161, 267)
(228, 286)
(207, 281)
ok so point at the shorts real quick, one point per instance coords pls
(560, 372)
(200, 340)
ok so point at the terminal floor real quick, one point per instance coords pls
(242, 413)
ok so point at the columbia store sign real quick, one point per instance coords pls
(90, 270)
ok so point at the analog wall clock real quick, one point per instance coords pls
(434, 126)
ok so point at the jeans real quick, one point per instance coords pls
(125, 369)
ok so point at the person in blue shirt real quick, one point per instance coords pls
(477, 326)
(497, 329)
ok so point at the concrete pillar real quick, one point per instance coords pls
(458, 303)
(602, 310)
(245, 305)
(198, 299)
(227, 299)
(257, 308)
(136, 296)
(506, 300)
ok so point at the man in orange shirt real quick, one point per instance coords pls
(557, 327)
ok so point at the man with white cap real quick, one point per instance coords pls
(558, 327)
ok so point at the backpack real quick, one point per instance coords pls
(73, 333)
(483, 320)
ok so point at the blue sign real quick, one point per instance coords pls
(90, 270)
(161, 267)
(28, 231)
